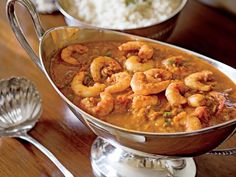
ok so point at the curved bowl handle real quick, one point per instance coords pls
(10, 8)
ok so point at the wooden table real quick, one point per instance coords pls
(200, 28)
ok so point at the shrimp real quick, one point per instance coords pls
(120, 82)
(197, 100)
(134, 65)
(193, 81)
(150, 82)
(103, 67)
(140, 101)
(67, 53)
(193, 123)
(85, 91)
(189, 122)
(220, 98)
(145, 52)
(173, 93)
(98, 108)
(202, 113)
(174, 62)
(157, 75)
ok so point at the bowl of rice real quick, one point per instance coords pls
(154, 19)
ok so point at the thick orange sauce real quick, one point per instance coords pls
(155, 118)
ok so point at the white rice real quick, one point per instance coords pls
(119, 14)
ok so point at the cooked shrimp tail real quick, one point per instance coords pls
(120, 82)
(202, 113)
(189, 122)
(85, 91)
(67, 53)
(193, 81)
(149, 82)
(133, 64)
(197, 100)
(101, 108)
(174, 62)
(145, 50)
(103, 67)
(174, 93)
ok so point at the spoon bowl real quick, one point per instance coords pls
(20, 106)
(20, 109)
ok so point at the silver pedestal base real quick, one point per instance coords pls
(111, 161)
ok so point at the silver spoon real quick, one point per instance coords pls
(20, 108)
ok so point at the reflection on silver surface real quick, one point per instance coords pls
(112, 161)
(20, 105)
(20, 108)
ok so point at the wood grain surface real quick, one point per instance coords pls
(200, 28)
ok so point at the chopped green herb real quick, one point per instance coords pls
(167, 122)
(170, 62)
(167, 114)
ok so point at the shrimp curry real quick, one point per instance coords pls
(144, 86)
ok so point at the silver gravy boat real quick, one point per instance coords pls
(171, 145)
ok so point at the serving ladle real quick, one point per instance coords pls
(20, 108)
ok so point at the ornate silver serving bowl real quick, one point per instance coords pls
(184, 144)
